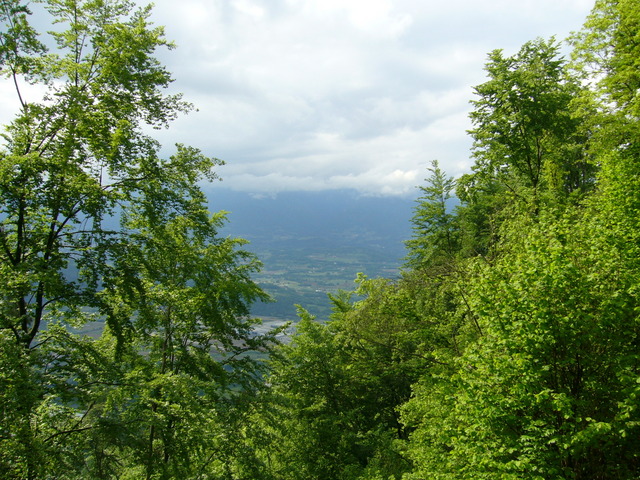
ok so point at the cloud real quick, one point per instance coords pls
(374, 17)
(323, 94)
(328, 94)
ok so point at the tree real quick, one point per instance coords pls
(524, 133)
(606, 53)
(332, 410)
(435, 235)
(72, 158)
(335, 388)
(545, 391)
(183, 313)
(95, 224)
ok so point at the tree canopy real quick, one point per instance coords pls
(97, 226)
(508, 347)
(511, 336)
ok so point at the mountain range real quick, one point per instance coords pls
(314, 243)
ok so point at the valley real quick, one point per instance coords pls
(315, 243)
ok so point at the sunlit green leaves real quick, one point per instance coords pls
(435, 233)
(95, 225)
(524, 133)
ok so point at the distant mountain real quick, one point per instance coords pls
(336, 217)
(313, 243)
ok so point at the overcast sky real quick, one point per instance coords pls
(326, 94)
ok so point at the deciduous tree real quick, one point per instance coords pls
(96, 225)
(525, 135)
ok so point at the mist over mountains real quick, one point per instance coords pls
(314, 243)
(325, 219)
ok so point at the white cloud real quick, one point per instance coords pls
(249, 8)
(375, 17)
(321, 94)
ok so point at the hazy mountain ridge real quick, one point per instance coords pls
(312, 243)
(337, 216)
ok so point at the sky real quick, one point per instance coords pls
(333, 94)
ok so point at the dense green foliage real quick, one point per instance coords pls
(509, 348)
(96, 225)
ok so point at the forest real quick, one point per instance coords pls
(508, 348)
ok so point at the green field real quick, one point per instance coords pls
(305, 276)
